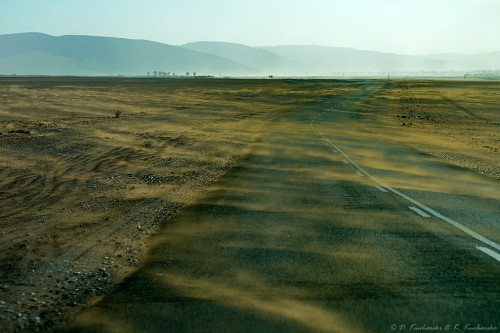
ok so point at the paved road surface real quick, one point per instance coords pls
(325, 227)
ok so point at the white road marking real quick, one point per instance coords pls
(489, 252)
(335, 151)
(419, 212)
(415, 202)
(359, 173)
(345, 161)
(381, 189)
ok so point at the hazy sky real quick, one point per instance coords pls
(399, 26)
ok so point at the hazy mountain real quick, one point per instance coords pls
(35, 53)
(265, 61)
(330, 60)
(40, 54)
(320, 60)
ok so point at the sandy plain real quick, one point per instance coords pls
(90, 167)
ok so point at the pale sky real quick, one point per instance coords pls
(397, 26)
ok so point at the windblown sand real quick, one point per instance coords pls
(90, 167)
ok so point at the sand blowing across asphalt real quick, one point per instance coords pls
(90, 167)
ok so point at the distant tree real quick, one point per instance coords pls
(173, 74)
(187, 73)
(149, 73)
(155, 73)
(194, 74)
(168, 73)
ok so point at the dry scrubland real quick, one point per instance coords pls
(90, 167)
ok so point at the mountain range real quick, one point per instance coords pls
(41, 54)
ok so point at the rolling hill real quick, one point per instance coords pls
(264, 60)
(320, 60)
(41, 54)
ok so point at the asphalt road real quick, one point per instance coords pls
(326, 227)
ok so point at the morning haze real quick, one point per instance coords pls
(40, 54)
(249, 166)
(248, 38)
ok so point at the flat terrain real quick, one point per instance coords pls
(261, 197)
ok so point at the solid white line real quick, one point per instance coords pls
(415, 202)
(489, 252)
(419, 212)
(381, 189)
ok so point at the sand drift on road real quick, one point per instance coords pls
(90, 168)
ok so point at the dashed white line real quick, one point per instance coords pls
(359, 173)
(345, 161)
(419, 212)
(413, 201)
(489, 252)
(381, 189)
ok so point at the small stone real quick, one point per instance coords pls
(132, 261)
(35, 320)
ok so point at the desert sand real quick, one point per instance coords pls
(91, 167)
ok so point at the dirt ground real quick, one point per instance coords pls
(457, 121)
(89, 168)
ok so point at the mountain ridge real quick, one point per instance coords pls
(42, 54)
(96, 55)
